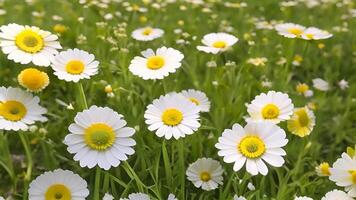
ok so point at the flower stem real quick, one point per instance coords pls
(82, 101)
(26, 146)
(182, 167)
(97, 184)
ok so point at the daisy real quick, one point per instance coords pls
(99, 137)
(25, 44)
(147, 33)
(313, 33)
(58, 184)
(217, 42)
(343, 173)
(254, 144)
(19, 109)
(273, 106)
(33, 80)
(335, 195)
(303, 89)
(323, 169)
(303, 198)
(239, 197)
(172, 115)
(156, 65)
(320, 84)
(108, 196)
(197, 97)
(74, 65)
(302, 122)
(290, 30)
(137, 196)
(172, 197)
(205, 173)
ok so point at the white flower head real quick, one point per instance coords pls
(320, 84)
(172, 197)
(302, 198)
(313, 33)
(156, 65)
(19, 109)
(273, 106)
(100, 137)
(343, 84)
(290, 30)
(74, 65)
(205, 173)
(147, 34)
(217, 42)
(336, 194)
(254, 144)
(137, 196)
(25, 44)
(108, 196)
(58, 184)
(197, 97)
(172, 115)
(239, 197)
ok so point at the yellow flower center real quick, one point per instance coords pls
(295, 31)
(58, 192)
(302, 88)
(310, 35)
(29, 41)
(302, 117)
(251, 147)
(33, 79)
(99, 136)
(205, 176)
(270, 111)
(155, 62)
(194, 100)
(147, 31)
(219, 44)
(324, 169)
(12, 110)
(353, 176)
(75, 67)
(172, 117)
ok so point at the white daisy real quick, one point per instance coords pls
(313, 33)
(320, 84)
(58, 184)
(302, 122)
(197, 97)
(217, 42)
(303, 198)
(239, 197)
(108, 196)
(172, 115)
(290, 30)
(156, 65)
(336, 195)
(137, 196)
(74, 65)
(172, 197)
(273, 106)
(343, 173)
(147, 33)
(19, 109)
(25, 44)
(255, 144)
(99, 137)
(205, 173)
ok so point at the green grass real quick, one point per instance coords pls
(158, 167)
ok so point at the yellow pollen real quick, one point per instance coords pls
(12, 110)
(194, 100)
(301, 88)
(172, 117)
(220, 44)
(324, 168)
(205, 176)
(75, 67)
(155, 62)
(353, 176)
(99, 136)
(32, 79)
(270, 111)
(295, 31)
(58, 192)
(310, 35)
(251, 147)
(147, 31)
(29, 41)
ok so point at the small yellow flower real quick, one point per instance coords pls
(32, 79)
(301, 88)
(323, 169)
(143, 19)
(180, 22)
(298, 58)
(302, 122)
(321, 45)
(59, 28)
(108, 89)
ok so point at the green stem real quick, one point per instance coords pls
(133, 176)
(82, 101)
(167, 164)
(182, 167)
(26, 146)
(97, 184)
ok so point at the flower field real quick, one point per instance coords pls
(177, 100)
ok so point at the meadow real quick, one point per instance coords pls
(312, 71)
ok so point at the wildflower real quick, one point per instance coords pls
(217, 42)
(58, 184)
(74, 65)
(102, 136)
(343, 84)
(313, 33)
(25, 44)
(254, 144)
(137, 196)
(257, 61)
(297, 60)
(239, 197)
(197, 97)
(273, 106)
(108, 196)
(302, 122)
(172, 197)
(147, 34)
(303, 89)
(320, 84)
(59, 28)
(323, 169)
(33, 80)
(290, 30)
(336, 194)
(205, 173)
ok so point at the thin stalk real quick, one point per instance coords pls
(97, 184)
(167, 164)
(82, 101)
(182, 167)
(26, 146)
